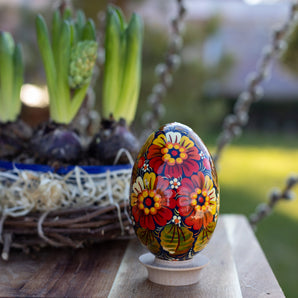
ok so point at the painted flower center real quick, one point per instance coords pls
(145, 167)
(175, 183)
(149, 202)
(200, 199)
(173, 154)
(176, 220)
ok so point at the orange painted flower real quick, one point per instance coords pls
(152, 201)
(197, 201)
(173, 154)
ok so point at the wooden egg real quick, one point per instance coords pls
(174, 194)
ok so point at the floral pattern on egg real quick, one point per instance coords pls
(174, 201)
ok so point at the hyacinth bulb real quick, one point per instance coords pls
(113, 137)
(56, 143)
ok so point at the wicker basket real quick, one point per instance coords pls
(71, 206)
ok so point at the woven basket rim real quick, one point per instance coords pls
(7, 165)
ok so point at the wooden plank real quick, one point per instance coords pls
(237, 268)
(53, 272)
(255, 274)
(218, 279)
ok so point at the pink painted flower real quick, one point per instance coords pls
(206, 163)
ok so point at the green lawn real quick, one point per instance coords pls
(247, 172)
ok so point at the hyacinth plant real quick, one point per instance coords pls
(121, 86)
(13, 132)
(69, 56)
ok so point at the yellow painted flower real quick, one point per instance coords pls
(152, 201)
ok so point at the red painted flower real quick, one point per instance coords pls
(197, 200)
(174, 155)
(152, 201)
(143, 164)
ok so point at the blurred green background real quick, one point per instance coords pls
(217, 56)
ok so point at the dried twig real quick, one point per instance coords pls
(6, 246)
(69, 227)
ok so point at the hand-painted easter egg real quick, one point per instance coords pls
(174, 196)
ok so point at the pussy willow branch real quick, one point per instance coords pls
(263, 210)
(165, 71)
(233, 123)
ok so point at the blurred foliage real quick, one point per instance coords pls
(278, 116)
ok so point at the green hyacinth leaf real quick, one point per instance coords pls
(176, 240)
(204, 237)
(89, 31)
(18, 80)
(11, 78)
(80, 23)
(113, 68)
(131, 76)
(148, 239)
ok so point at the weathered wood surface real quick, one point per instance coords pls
(237, 268)
(218, 279)
(87, 272)
(255, 275)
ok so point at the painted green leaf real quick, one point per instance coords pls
(148, 239)
(176, 240)
(204, 237)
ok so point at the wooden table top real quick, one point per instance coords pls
(237, 268)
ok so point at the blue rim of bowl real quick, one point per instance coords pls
(6, 165)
